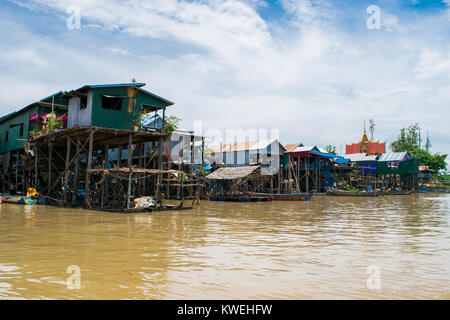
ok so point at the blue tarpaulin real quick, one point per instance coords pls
(342, 160)
(326, 155)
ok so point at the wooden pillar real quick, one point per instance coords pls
(75, 175)
(130, 150)
(169, 161)
(17, 172)
(160, 165)
(192, 150)
(140, 181)
(105, 166)
(89, 166)
(203, 151)
(66, 177)
(160, 154)
(298, 174)
(36, 171)
(307, 173)
(130, 181)
(279, 176)
(50, 154)
(119, 155)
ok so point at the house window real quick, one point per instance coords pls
(112, 103)
(21, 129)
(83, 103)
(7, 135)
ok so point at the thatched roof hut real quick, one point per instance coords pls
(233, 173)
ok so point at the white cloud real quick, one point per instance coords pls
(432, 63)
(227, 67)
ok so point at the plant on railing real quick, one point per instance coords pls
(51, 122)
(36, 132)
(171, 124)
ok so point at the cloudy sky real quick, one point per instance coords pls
(311, 68)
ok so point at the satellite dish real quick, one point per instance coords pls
(371, 128)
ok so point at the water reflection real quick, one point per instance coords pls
(315, 249)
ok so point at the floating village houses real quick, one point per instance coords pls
(368, 165)
(311, 167)
(77, 156)
(259, 166)
(300, 169)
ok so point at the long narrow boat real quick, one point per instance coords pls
(21, 199)
(240, 198)
(396, 193)
(352, 193)
(291, 196)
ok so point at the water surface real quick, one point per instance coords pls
(319, 249)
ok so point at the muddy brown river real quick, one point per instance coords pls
(391, 247)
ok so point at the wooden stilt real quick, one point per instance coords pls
(50, 153)
(66, 177)
(36, 171)
(89, 166)
(119, 155)
(75, 176)
(130, 150)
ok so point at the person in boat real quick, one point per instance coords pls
(31, 192)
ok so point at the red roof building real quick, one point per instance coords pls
(366, 146)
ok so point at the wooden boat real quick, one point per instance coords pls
(291, 196)
(336, 192)
(240, 198)
(21, 199)
(396, 193)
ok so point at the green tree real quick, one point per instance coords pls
(409, 141)
(171, 124)
(331, 149)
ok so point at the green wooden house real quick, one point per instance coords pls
(116, 106)
(15, 127)
(397, 163)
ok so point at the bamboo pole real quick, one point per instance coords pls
(119, 155)
(75, 177)
(36, 172)
(50, 147)
(66, 178)
(89, 166)
(130, 150)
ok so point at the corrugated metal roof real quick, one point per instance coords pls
(306, 149)
(360, 157)
(54, 95)
(136, 85)
(291, 147)
(394, 156)
(113, 85)
(12, 114)
(168, 102)
(242, 146)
